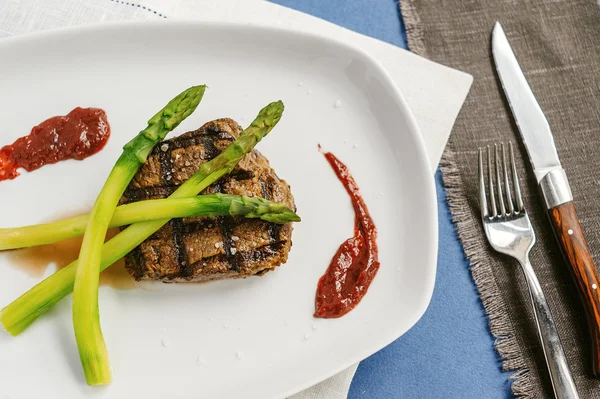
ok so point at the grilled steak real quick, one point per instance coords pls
(208, 248)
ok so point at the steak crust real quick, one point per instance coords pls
(208, 248)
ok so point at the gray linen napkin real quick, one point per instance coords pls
(558, 46)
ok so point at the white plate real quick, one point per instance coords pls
(255, 338)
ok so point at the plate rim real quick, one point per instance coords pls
(429, 203)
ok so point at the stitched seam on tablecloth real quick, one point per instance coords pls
(126, 3)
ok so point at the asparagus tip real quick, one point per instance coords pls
(270, 115)
(180, 107)
(280, 216)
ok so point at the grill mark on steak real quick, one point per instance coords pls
(228, 243)
(274, 229)
(138, 258)
(185, 269)
(210, 149)
(208, 136)
(202, 248)
(139, 194)
(165, 156)
(226, 225)
(241, 175)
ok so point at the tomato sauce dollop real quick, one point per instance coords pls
(77, 135)
(355, 263)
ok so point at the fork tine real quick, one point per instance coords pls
(499, 181)
(518, 197)
(482, 196)
(509, 201)
(491, 181)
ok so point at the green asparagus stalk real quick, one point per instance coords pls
(21, 313)
(143, 211)
(86, 318)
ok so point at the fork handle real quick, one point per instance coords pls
(562, 381)
(577, 254)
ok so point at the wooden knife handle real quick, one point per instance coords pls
(574, 246)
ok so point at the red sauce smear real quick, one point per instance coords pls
(355, 263)
(81, 133)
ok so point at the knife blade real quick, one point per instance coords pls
(531, 121)
(552, 180)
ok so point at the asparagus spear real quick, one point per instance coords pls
(86, 319)
(204, 205)
(22, 312)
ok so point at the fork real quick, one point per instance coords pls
(509, 231)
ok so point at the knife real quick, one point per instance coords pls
(552, 181)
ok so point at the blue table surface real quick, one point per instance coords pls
(449, 353)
